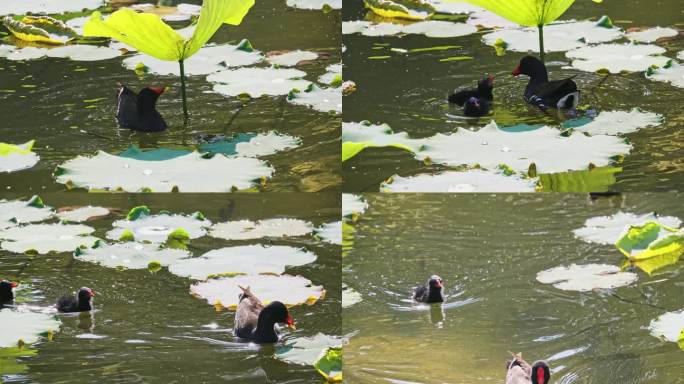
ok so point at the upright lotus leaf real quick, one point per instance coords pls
(130, 255)
(330, 232)
(247, 229)
(15, 212)
(45, 238)
(17, 157)
(669, 327)
(330, 365)
(598, 179)
(22, 324)
(609, 229)
(307, 350)
(586, 277)
(41, 29)
(652, 245)
(158, 228)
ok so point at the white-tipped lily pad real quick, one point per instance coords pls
(81, 214)
(315, 4)
(350, 296)
(207, 60)
(609, 229)
(474, 180)
(586, 277)
(246, 259)
(668, 326)
(320, 99)
(187, 173)
(558, 37)
(76, 52)
(292, 58)
(22, 324)
(546, 147)
(15, 212)
(380, 135)
(17, 157)
(307, 350)
(353, 204)
(157, 228)
(266, 144)
(333, 74)
(131, 255)
(247, 229)
(290, 290)
(620, 122)
(652, 34)
(617, 57)
(330, 232)
(257, 82)
(429, 28)
(44, 238)
(20, 7)
(672, 73)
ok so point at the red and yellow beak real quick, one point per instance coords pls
(92, 293)
(290, 323)
(13, 284)
(159, 90)
(516, 71)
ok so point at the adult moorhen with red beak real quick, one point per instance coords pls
(82, 302)
(545, 94)
(6, 293)
(430, 293)
(138, 111)
(256, 322)
(519, 371)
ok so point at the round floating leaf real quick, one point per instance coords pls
(404, 9)
(452, 7)
(190, 173)
(16, 212)
(207, 60)
(651, 35)
(620, 122)
(586, 277)
(358, 136)
(330, 232)
(672, 73)
(77, 52)
(330, 365)
(485, 19)
(617, 57)
(247, 229)
(292, 58)
(353, 204)
(558, 37)
(246, 259)
(350, 297)
(333, 74)
(315, 4)
(474, 180)
(131, 255)
(42, 29)
(134, 152)
(430, 28)
(44, 238)
(157, 228)
(17, 157)
(320, 99)
(290, 290)
(20, 7)
(668, 326)
(609, 229)
(307, 350)
(80, 214)
(22, 324)
(257, 82)
(251, 145)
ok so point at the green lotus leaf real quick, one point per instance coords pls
(594, 180)
(403, 9)
(609, 229)
(330, 365)
(651, 246)
(531, 13)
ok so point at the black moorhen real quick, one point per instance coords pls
(484, 91)
(6, 293)
(138, 111)
(82, 302)
(475, 107)
(520, 372)
(430, 293)
(256, 322)
(545, 94)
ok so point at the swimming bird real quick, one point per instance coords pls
(82, 302)
(484, 90)
(475, 107)
(6, 293)
(430, 293)
(256, 322)
(520, 372)
(138, 111)
(545, 94)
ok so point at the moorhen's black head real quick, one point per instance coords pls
(486, 84)
(147, 98)
(85, 294)
(277, 312)
(435, 281)
(540, 373)
(530, 66)
(6, 294)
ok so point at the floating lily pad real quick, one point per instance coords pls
(586, 277)
(292, 58)
(315, 4)
(430, 28)
(329, 365)
(620, 122)
(672, 73)
(290, 290)
(22, 324)
(17, 157)
(558, 37)
(617, 57)
(474, 180)
(257, 82)
(247, 229)
(307, 350)
(80, 214)
(207, 60)
(245, 259)
(76, 52)
(320, 99)
(41, 29)
(609, 229)
(669, 327)
(157, 228)
(190, 173)
(353, 204)
(131, 255)
(251, 145)
(15, 212)
(20, 7)
(350, 296)
(652, 34)
(44, 238)
(358, 136)
(332, 76)
(330, 232)
(484, 18)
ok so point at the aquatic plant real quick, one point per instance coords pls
(530, 13)
(147, 32)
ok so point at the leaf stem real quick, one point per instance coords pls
(185, 101)
(541, 43)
